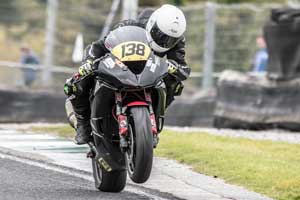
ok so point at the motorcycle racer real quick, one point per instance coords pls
(165, 29)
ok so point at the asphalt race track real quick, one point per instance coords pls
(27, 182)
(42, 167)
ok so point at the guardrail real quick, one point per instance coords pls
(68, 70)
(59, 69)
(200, 75)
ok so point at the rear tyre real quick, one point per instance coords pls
(139, 157)
(114, 181)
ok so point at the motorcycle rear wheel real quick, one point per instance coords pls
(105, 181)
(139, 157)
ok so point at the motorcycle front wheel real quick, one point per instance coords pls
(139, 156)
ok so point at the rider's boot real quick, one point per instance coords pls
(83, 132)
(83, 126)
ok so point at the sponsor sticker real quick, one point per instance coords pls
(120, 64)
(149, 62)
(154, 65)
(109, 63)
(104, 164)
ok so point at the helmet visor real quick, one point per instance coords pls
(163, 39)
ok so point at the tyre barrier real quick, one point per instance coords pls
(255, 102)
(25, 106)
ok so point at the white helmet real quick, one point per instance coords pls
(165, 28)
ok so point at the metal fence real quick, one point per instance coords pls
(13, 73)
(221, 37)
(218, 36)
(27, 23)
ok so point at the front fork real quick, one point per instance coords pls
(123, 120)
(152, 118)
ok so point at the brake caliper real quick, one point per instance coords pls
(122, 120)
(123, 125)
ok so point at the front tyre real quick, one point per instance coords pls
(139, 156)
(114, 181)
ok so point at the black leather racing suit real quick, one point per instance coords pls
(97, 49)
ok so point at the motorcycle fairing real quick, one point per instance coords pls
(119, 76)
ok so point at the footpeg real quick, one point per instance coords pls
(90, 154)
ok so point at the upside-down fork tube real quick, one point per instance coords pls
(152, 115)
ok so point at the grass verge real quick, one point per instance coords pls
(266, 167)
(64, 131)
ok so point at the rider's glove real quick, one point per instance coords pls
(69, 87)
(178, 89)
(172, 66)
(86, 68)
(180, 72)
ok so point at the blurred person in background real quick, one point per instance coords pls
(260, 61)
(28, 57)
(165, 28)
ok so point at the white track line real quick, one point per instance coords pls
(73, 173)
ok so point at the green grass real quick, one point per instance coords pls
(266, 167)
(64, 131)
(270, 168)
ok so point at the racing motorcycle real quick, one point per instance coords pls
(127, 109)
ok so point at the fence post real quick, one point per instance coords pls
(209, 45)
(110, 18)
(50, 40)
(129, 9)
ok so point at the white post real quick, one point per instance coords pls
(209, 45)
(129, 9)
(50, 40)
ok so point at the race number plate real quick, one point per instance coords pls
(131, 51)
